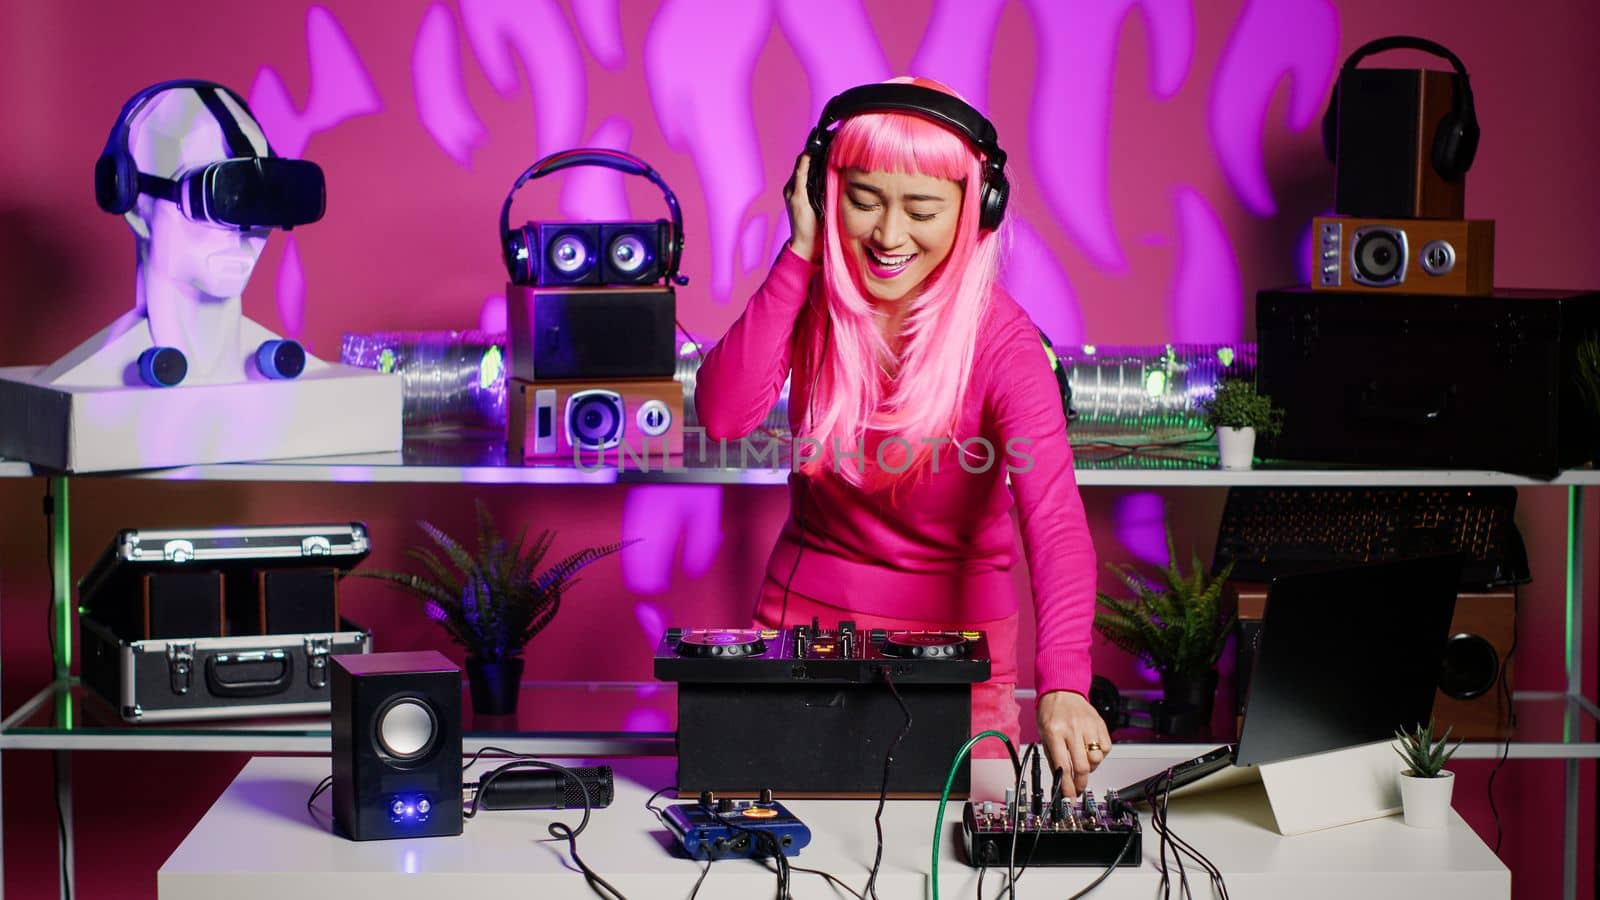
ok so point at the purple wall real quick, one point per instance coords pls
(1166, 166)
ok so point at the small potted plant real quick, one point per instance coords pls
(492, 602)
(1425, 784)
(1238, 414)
(1177, 626)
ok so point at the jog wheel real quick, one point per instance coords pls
(729, 643)
(925, 645)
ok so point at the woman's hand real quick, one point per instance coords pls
(802, 218)
(1074, 736)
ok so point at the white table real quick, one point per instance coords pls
(258, 842)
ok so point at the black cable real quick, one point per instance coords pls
(831, 879)
(50, 635)
(1160, 809)
(761, 839)
(981, 870)
(1032, 753)
(1166, 837)
(650, 804)
(1511, 719)
(871, 890)
(530, 762)
(1126, 846)
(698, 881)
(557, 830)
(562, 830)
(322, 786)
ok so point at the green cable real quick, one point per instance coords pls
(938, 822)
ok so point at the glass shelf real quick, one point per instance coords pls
(555, 718)
(618, 718)
(480, 459)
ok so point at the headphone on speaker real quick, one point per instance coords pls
(516, 246)
(1456, 141)
(117, 179)
(934, 105)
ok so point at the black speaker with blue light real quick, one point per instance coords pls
(396, 745)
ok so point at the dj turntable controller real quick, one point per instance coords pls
(810, 652)
(812, 711)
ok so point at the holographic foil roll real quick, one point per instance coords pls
(689, 357)
(449, 380)
(1148, 392)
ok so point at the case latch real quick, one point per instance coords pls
(316, 545)
(180, 664)
(317, 650)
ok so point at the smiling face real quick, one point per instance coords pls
(897, 228)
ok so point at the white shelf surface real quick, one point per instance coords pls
(259, 841)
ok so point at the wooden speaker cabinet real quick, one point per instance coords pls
(1471, 698)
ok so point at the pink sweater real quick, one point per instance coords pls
(943, 550)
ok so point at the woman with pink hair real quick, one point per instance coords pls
(918, 386)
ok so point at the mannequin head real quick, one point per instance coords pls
(171, 135)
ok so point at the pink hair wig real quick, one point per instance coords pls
(922, 402)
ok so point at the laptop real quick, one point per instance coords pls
(1345, 657)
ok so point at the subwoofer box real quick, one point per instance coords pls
(1476, 681)
(1508, 382)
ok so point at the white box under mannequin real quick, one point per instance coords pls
(329, 410)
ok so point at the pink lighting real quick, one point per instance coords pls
(339, 89)
(671, 522)
(1071, 109)
(1275, 41)
(442, 104)
(1207, 296)
(517, 39)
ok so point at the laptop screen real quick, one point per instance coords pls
(1347, 656)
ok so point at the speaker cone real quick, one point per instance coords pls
(629, 254)
(594, 419)
(406, 729)
(1379, 256)
(1471, 667)
(569, 255)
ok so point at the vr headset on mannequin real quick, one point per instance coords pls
(245, 191)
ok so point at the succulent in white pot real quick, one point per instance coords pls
(1425, 784)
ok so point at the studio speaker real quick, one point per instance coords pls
(1472, 700)
(1388, 124)
(396, 745)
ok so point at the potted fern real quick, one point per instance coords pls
(1425, 784)
(1239, 414)
(1178, 626)
(492, 601)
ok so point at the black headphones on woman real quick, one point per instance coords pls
(934, 105)
(1455, 142)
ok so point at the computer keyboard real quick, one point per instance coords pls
(1271, 531)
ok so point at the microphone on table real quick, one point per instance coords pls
(542, 789)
